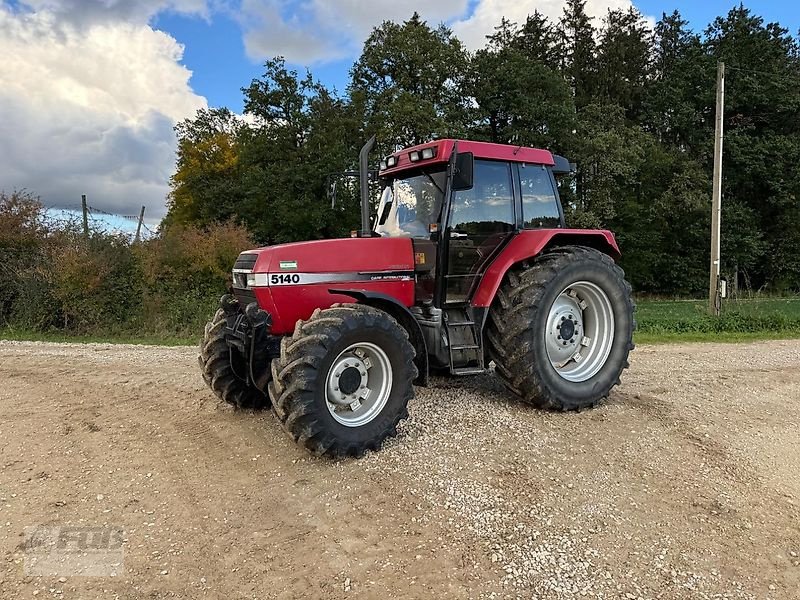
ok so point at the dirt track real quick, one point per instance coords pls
(685, 484)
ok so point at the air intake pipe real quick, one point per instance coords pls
(363, 173)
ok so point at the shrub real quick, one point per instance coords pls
(97, 282)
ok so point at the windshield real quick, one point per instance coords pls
(410, 205)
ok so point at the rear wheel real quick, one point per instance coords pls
(226, 372)
(560, 331)
(343, 380)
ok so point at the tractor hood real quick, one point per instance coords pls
(290, 281)
(346, 255)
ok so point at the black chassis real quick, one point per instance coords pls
(249, 341)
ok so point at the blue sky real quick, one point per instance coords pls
(90, 90)
(215, 51)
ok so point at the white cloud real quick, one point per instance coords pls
(89, 107)
(139, 11)
(316, 31)
(488, 14)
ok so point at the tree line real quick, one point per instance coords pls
(633, 107)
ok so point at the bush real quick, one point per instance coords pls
(54, 278)
(97, 283)
(23, 238)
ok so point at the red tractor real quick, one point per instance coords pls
(467, 261)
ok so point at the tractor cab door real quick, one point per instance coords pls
(480, 220)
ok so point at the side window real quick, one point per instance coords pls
(487, 208)
(539, 202)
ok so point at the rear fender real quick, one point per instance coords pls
(529, 244)
(402, 315)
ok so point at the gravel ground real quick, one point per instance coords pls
(684, 484)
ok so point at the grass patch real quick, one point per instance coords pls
(741, 320)
(659, 321)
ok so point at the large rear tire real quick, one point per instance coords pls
(224, 373)
(560, 331)
(343, 380)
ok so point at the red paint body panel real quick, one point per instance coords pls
(529, 243)
(487, 150)
(287, 304)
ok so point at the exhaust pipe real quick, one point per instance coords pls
(363, 172)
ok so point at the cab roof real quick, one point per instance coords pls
(442, 149)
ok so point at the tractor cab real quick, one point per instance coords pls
(465, 200)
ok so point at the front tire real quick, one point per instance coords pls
(225, 373)
(561, 330)
(343, 380)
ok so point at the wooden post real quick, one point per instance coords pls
(139, 226)
(714, 300)
(85, 216)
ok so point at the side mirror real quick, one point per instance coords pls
(562, 166)
(462, 175)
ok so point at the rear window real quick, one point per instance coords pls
(539, 201)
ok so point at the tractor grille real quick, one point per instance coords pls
(244, 297)
(246, 261)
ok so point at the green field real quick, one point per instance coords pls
(659, 321)
(687, 320)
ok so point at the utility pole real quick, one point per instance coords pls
(714, 300)
(139, 226)
(85, 216)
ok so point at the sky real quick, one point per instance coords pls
(90, 90)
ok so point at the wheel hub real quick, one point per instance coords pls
(358, 384)
(567, 329)
(350, 380)
(580, 331)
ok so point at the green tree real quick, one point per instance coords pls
(407, 82)
(302, 134)
(579, 60)
(205, 186)
(518, 97)
(762, 146)
(623, 60)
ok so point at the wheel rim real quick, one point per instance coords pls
(580, 331)
(358, 384)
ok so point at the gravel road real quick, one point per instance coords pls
(684, 484)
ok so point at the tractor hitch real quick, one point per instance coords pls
(250, 344)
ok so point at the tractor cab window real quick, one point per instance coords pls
(410, 205)
(539, 201)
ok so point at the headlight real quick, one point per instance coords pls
(251, 279)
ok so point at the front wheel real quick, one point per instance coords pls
(226, 372)
(343, 380)
(560, 331)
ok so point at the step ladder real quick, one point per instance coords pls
(463, 336)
